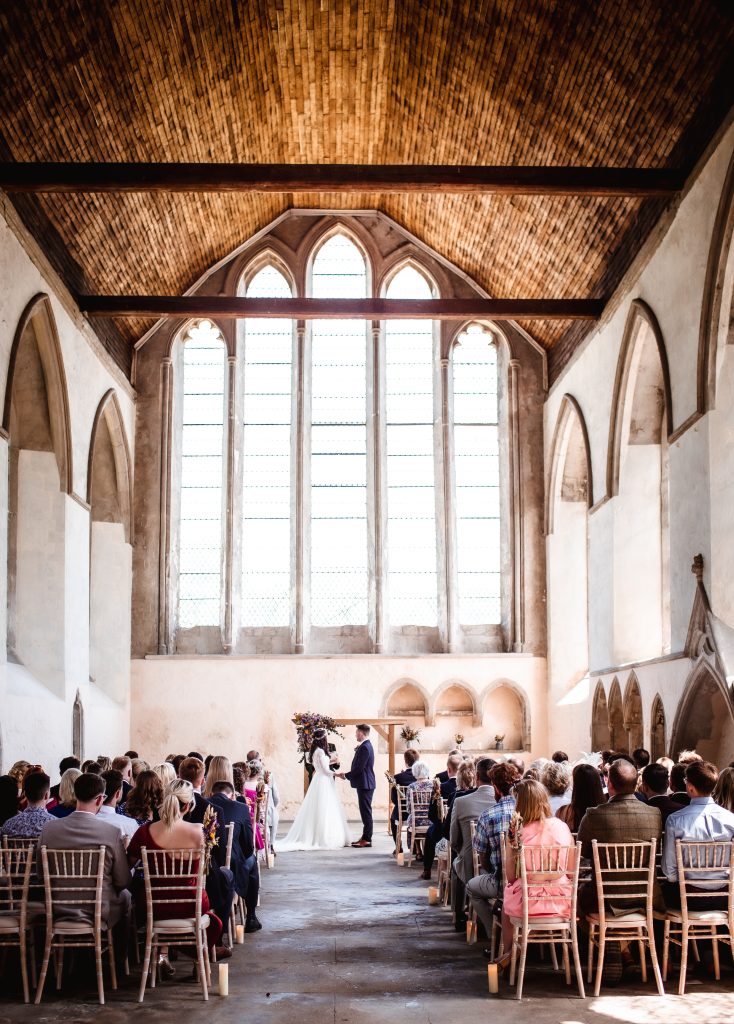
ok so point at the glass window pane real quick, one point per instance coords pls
(339, 443)
(266, 465)
(202, 465)
(411, 509)
(477, 477)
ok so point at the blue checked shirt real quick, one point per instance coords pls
(490, 827)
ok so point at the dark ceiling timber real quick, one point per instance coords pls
(217, 306)
(338, 178)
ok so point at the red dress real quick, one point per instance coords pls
(143, 838)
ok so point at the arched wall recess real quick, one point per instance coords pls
(570, 419)
(461, 700)
(633, 716)
(406, 696)
(704, 720)
(658, 733)
(520, 697)
(109, 417)
(617, 730)
(600, 729)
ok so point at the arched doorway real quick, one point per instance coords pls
(704, 720)
(658, 740)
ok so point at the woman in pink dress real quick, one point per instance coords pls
(251, 793)
(534, 825)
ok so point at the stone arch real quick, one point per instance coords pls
(617, 730)
(109, 471)
(704, 720)
(504, 707)
(601, 738)
(455, 698)
(414, 262)
(658, 735)
(633, 713)
(265, 257)
(406, 697)
(77, 727)
(36, 368)
(570, 473)
(314, 241)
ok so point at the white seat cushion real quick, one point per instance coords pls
(180, 925)
(73, 928)
(544, 922)
(699, 916)
(9, 924)
(622, 919)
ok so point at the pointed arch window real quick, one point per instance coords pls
(411, 499)
(476, 476)
(266, 492)
(339, 442)
(202, 466)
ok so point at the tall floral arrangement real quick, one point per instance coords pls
(306, 723)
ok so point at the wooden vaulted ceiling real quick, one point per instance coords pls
(637, 83)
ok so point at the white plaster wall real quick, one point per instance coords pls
(568, 654)
(230, 705)
(721, 422)
(110, 595)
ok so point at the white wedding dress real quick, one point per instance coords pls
(321, 823)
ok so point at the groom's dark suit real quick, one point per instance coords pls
(362, 778)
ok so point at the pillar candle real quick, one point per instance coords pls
(432, 895)
(239, 931)
(400, 859)
(493, 979)
(224, 979)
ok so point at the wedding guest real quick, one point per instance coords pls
(64, 764)
(538, 827)
(436, 813)
(238, 780)
(641, 757)
(91, 768)
(687, 757)
(165, 773)
(191, 770)
(28, 823)
(252, 792)
(518, 763)
(678, 791)
(404, 779)
(219, 769)
(145, 798)
(113, 797)
(67, 798)
(104, 762)
(274, 802)
(196, 754)
(465, 809)
(125, 766)
(491, 824)
(586, 792)
(723, 794)
(18, 772)
(176, 760)
(422, 784)
(556, 777)
(9, 806)
(138, 765)
(559, 756)
(466, 778)
(173, 832)
(444, 776)
(666, 762)
(132, 754)
(654, 784)
(244, 859)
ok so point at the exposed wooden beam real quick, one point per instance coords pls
(288, 178)
(336, 309)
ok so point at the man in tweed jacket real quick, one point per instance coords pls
(624, 819)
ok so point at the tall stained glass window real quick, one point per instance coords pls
(477, 475)
(411, 504)
(202, 464)
(338, 443)
(266, 523)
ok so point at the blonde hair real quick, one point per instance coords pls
(166, 773)
(178, 795)
(531, 801)
(18, 771)
(466, 775)
(67, 797)
(688, 757)
(220, 770)
(723, 794)
(139, 765)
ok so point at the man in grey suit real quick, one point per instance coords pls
(82, 829)
(465, 810)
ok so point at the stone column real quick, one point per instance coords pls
(164, 621)
(450, 641)
(376, 493)
(228, 554)
(299, 477)
(517, 617)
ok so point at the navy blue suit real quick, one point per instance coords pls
(362, 778)
(244, 859)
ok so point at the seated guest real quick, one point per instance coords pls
(436, 813)
(138, 765)
(91, 768)
(67, 800)
(586, 792)
(171, 832)
(64, 764)
(113, 795)
(191, 770)
(624, 819)
(465, 809)
(445, 776)
(244, 859)
(654, 785)
(560, 756)
(28, 823)
(556, 777)
(404, 779)
(218, 769)
(145, 798)
(422, 784)
(252, 792)
(641, 757)
(132, 754)
(165, 773)
(491, 824)
(724, 792)
(196, 754)
(666, 762)
(538, 827)
(702, 821)
(125, 766)
(9, 805)
(678, 790)
(274, 802)
(686, 757)
(239, 775)
(104, 762)
(448, 784)
(82, 830)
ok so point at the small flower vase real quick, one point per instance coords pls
(499, 745)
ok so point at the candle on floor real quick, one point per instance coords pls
(468, 931)
(493, 979)
(239, 933)
(401, 859)
(432, 895)
(224, 979)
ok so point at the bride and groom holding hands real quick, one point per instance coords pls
(321, 822)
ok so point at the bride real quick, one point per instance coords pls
(321, 823)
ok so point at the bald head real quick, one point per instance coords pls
(622, 778)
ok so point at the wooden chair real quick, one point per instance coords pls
(419, 802)
(73, 884)
(471, 917)
(625, 878)
(263, 806)
(174, 877)
(546, 864)
(238, 908)
(402, 821)
(16, 925)
(445, 860)
(695, 863)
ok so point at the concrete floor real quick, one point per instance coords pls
(349, 938)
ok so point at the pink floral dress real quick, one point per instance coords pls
(556, 893)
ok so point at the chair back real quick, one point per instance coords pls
(263, 802)
(229, 832)
(402, 802)
(474, 855)
(16, 868)
(419, 803)
(625, 877)
(73, 883)
(173, 877)
(703, 864)
(541, 869)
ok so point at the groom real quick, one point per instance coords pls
(362, 778)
